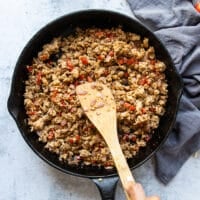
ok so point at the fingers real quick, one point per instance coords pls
(135, 191)
(139, 192)
(153, 198)
(130, 190)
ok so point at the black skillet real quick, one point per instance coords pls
(104, 179)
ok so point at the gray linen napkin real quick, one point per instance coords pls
(177, 24)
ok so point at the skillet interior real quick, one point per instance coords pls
(65, 26)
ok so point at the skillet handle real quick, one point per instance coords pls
(107, 187)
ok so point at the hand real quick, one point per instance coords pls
(136, 192)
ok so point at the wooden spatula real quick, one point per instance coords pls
(99, 105)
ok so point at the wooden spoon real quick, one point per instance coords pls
(99, 105)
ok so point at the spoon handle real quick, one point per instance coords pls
(120, 163)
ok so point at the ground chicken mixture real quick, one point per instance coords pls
(121, 60)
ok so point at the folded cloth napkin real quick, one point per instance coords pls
(177, 24)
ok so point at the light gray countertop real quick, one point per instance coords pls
(24, 176)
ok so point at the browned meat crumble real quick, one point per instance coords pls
(125, 63)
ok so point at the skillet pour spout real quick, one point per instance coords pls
(104, 179)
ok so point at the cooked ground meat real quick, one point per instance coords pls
(125, 63)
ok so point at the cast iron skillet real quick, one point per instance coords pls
(65, 26)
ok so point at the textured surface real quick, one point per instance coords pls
(22, 174)
(179, 30)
